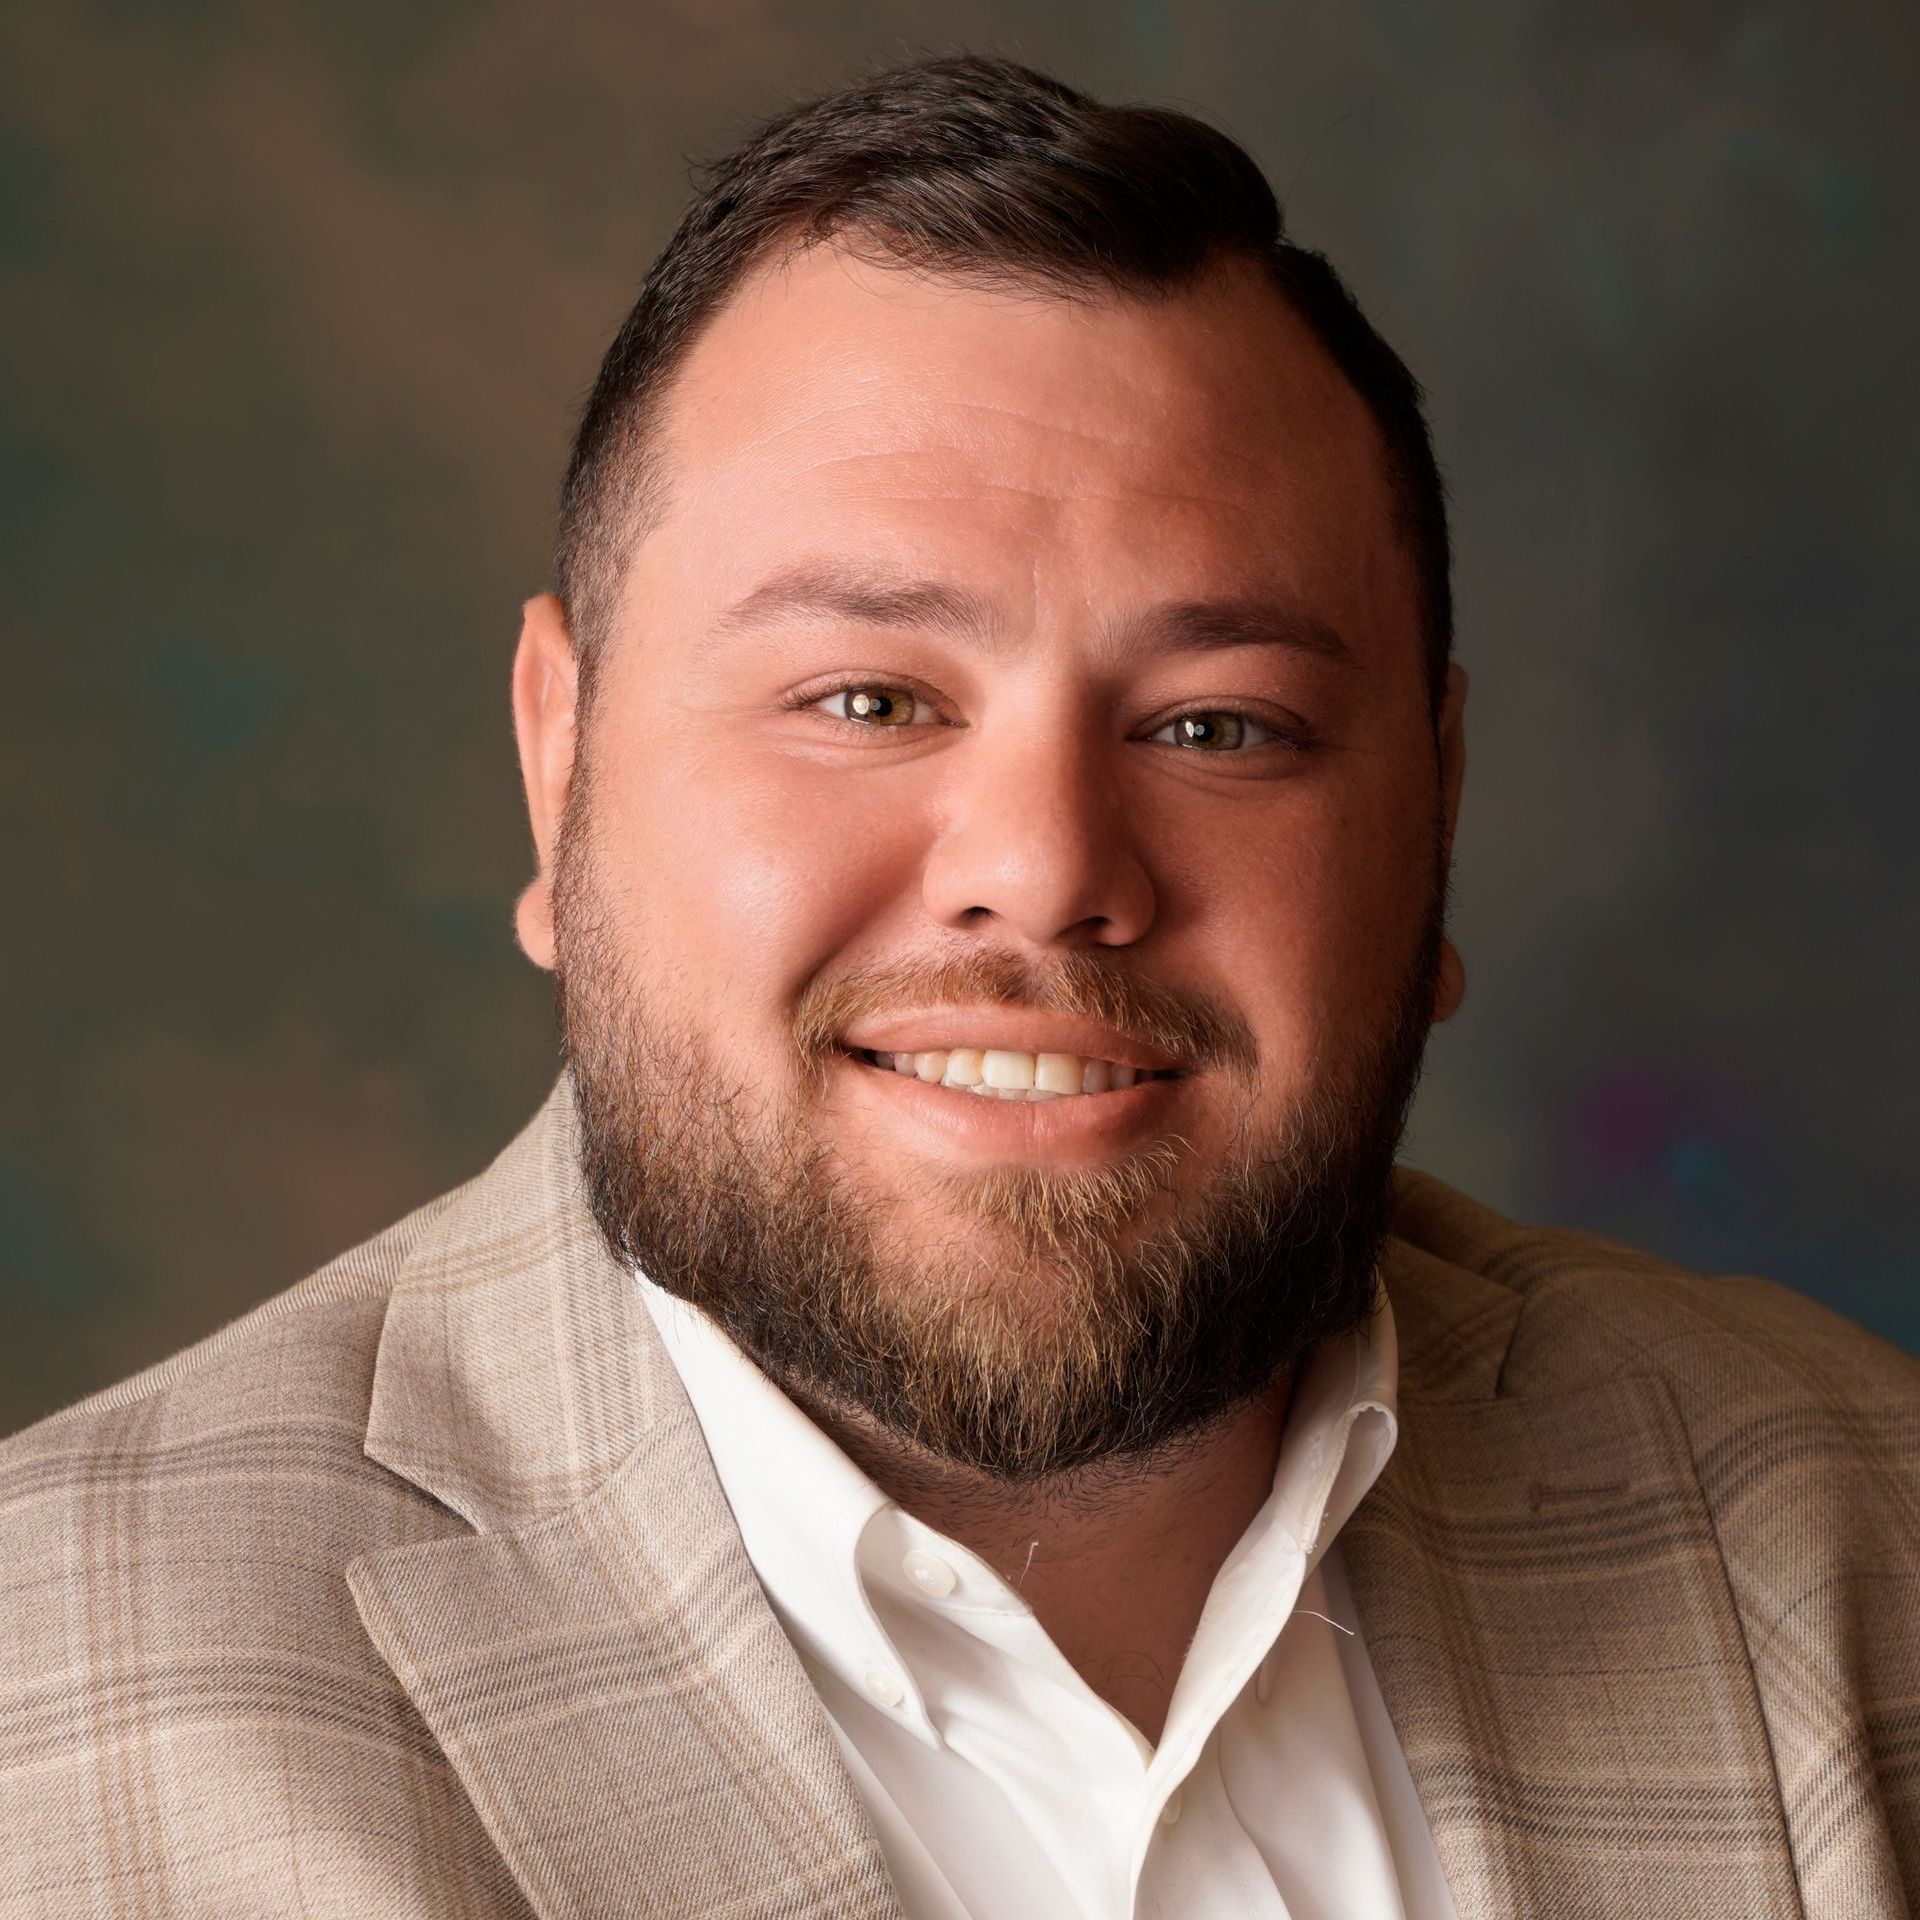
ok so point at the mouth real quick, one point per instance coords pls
(1002, 1073)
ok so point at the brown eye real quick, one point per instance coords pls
(872, 706)
(1208, 732)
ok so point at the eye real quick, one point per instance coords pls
(875, 706)
(1214, 731)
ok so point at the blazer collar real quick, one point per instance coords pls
(596, 1658)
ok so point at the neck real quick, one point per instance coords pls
(1116, 1559)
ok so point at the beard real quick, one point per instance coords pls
(1023, 1322)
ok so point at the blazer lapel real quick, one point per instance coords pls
(597, 1659)
(1554, 1634)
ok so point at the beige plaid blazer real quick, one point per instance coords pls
(413, 1593)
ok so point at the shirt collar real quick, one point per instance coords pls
(1341, 1426)
(802, 1507)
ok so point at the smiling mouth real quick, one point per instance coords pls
(998, 1073)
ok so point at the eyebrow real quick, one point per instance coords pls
(833, 590)
(821, 589)
(1244, 620)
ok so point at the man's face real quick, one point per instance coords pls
(1012, 687)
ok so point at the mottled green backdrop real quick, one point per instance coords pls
(298, 303)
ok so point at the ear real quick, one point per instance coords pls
(546, 685)
(1451, 986)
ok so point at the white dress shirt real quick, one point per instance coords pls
(1002, 1787)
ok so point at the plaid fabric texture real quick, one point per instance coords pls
(413, 1593)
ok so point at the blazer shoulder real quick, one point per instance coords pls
(1800, 1435)
(219, 1491)
(1586, 1305)
(174, 1556)
(292, 1376)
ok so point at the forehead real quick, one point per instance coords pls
(1097, 450)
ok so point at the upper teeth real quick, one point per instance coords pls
(1006, 1075)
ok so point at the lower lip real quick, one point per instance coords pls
(1078, 1124)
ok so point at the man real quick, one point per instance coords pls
(951, 1408)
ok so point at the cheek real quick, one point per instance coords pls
(1311, 917)
(738, 884)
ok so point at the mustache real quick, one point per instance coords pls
(1183, 1022)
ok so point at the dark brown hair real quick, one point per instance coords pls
(984, 171)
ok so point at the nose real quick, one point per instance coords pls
(1038, 846)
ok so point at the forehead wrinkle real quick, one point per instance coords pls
(1067, 492)
(770, 435)
(892, 411)
(1122, 442)
(1160, 496)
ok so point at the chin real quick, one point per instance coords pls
(1019, 1219)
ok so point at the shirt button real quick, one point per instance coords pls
(885, 1688)
(930, 1574)
(1170, 1813)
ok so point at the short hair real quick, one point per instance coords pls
(981, 170)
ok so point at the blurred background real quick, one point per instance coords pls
(299, 303)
